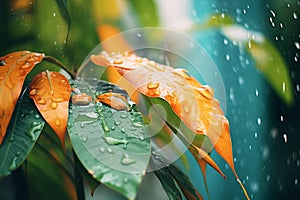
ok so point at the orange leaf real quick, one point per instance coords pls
(51, 93)
(13, 69)
(193, 102)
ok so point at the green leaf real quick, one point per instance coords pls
(113, 145)
(267, 58)
(168, 183)
(189, 191)
(64, 11)
(47, 170)
(23, 131)
(146, 12)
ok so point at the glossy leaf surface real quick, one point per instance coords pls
(51, 93)
(14, 67)
(113, 145)
(23, 131)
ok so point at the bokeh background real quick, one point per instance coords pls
(265, 130)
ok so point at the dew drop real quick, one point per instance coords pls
(227, 57)
(123, 130)
(183, 73)
(57, 122)
(2, 63)
(142, 138)
(296, 182)
(118, 61)
(152, 63)
(259, 121)
(58, 100)
(53, 105)
(123, 116)
(13, 164)
(82, 125)
(256, 92)
(206, 91)
(297, 44)
(295, 16)
(138, 59)
(41, 101)
(84, 139)
(25, 66)
(115, 141)
(152, 85)
(281, 118)
(126, 160)
(105, 126)
(125, 180)
(109, 150)
(137, 124)
(138, 35)
(117, 123)
(101, 149)
(285, 137)
(33, 92)
(37, 116)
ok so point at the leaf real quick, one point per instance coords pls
(64, 11)
(51, 93)
(168, 183)
(47, 170)
(113, 145)
(13, 69)
(176, 88)
(23, 131)
(146, 12)
(267, 58)
(189, 191)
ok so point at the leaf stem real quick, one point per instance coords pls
(53, 60)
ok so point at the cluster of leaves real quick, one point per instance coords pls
(107, 131)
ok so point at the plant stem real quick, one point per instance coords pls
(53, 60)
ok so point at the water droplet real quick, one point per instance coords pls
(255, 134)
(241, 80)
(82, 125)
(123, 130)
(125, 180)
(227, 57)
(138, 59)
(53, 105)
(126, 160)
(124, 116)
(115, 141)
(13, 164)
(118, 61)
(113, 128)
(138, 35)
(54, 14)
(296, 182)
(142, 138)
(152, 63)
(25, 66)
(117, 123)
(259, 121)
(37, 116)
(297, 44)
(2, 63)
(105, 126)
(256, 92)
(40, 101)
(57, 100)
(34, 128)
(295, 16)
(57, 122)
(268, 178)
(281, 118)
(206, 91)
(137, 124)
(152, 85)
(109, 150)
(101, 149)
(84, 139)
(285, 137)
(183, 73)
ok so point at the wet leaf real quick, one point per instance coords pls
(64, 11)
(267, 58)
(14, 67)
(23, 131)
(189, 191)
(146, 12)
(176, 88)
(51, 93)
(113, 145)
(48, 169)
